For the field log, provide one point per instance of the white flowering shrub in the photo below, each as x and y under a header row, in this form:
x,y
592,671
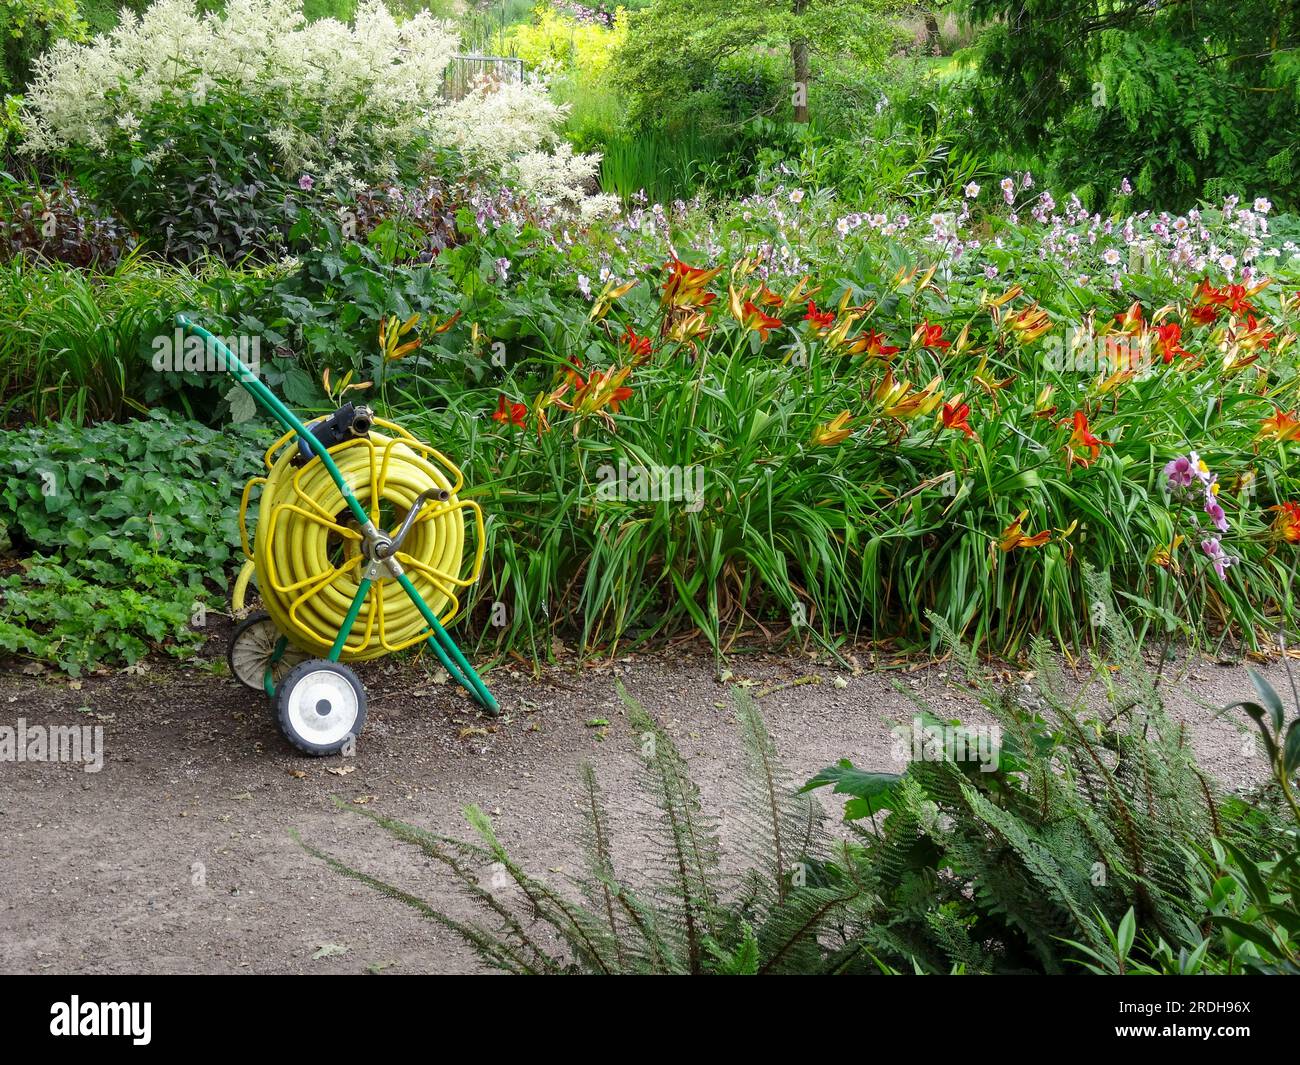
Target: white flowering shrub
x,y
340,104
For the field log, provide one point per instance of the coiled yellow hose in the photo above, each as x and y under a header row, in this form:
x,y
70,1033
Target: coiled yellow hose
x,y
306,550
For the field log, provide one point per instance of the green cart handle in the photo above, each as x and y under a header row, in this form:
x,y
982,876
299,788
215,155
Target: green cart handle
x,y
449,654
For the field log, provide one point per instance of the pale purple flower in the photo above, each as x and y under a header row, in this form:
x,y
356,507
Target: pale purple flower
x,y
306,182
1180,472
971,190
1215,511
1218,556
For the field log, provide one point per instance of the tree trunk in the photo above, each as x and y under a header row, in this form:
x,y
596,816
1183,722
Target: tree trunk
x,y
931,33
799,58
799,54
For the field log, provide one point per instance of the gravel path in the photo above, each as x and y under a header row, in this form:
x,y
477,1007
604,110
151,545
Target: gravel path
x,y
176,856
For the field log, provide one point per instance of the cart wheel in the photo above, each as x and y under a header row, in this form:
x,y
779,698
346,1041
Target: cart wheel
x,y
321,705
252,646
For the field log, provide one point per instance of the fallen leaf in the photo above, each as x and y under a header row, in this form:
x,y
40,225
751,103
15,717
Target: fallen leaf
x,y
363,800
471,730
297,774
341,770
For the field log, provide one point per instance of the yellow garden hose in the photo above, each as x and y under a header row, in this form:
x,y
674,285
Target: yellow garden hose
x,y
306,550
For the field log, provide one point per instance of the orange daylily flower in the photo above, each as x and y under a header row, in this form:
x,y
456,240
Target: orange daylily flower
x,y
1256,335
1286,526
599,395
687,286
686,328
836,431
1031,323
955,415
1012,537
751,318
1279,426
1130,321
871,344
897,400
1082,439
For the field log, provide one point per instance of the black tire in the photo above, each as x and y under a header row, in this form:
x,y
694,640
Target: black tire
x,y
253,642
337,710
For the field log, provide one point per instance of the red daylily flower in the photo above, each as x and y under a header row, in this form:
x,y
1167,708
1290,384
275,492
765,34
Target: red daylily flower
x,y
638,346
753,318
931,336
1169,342
513,413
1235,297
819,319
1082,439
955,416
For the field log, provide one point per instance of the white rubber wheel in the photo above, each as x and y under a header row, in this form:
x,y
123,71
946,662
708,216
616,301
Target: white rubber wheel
x,y
321,706
251,649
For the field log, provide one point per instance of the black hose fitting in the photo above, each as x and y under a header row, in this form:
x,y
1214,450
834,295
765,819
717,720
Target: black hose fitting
x,y
346,423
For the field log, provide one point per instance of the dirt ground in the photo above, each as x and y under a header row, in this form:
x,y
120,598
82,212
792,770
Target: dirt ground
x,y
177,855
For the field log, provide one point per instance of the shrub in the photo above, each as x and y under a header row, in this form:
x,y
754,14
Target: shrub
x,y
123,530
28,28
554,43
1187,103
205,123
59,223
